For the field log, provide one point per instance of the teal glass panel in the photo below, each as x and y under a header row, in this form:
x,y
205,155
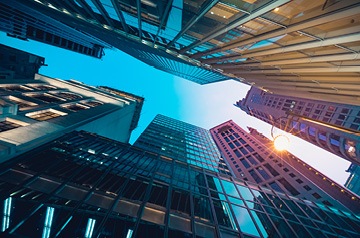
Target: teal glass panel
x,y
244,220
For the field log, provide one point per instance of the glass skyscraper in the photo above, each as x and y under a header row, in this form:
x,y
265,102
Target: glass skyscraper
x,y
297,48
96,187
182,141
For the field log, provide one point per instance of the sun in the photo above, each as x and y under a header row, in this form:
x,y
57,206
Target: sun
x,y
281,142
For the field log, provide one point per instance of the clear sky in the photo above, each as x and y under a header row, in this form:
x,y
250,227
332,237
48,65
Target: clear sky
x,y
202,105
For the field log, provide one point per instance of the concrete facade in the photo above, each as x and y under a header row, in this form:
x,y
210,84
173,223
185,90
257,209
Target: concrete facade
x,y
253,158
334,127
37,110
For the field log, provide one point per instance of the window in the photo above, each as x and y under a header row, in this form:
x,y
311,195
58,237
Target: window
x,y
43,87
8,125
292,175
289,187
18,88
75,107
316,195
251,159
258,157
46,98
286,169
22,104
271,169
245,163
327,203
69,96
245,152
276,187
307,188
299,181
92,103
45,114
263,173
255,176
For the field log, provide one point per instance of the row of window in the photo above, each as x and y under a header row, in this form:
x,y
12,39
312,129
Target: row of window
x,y
44,115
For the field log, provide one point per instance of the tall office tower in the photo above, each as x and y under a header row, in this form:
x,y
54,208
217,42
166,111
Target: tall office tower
x,y
250,41
97,187
34,111
253,158
353,182
182,141
25,23
334,127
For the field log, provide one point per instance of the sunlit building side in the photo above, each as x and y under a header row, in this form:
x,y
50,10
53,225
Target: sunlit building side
x,y
36,109
334,127
253,158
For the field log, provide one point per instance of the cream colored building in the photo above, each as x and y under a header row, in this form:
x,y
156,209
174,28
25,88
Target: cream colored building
x,y
36,110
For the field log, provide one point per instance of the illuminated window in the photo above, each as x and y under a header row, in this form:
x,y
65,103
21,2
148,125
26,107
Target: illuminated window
x,y
8,125
48,222
92,103
45,114
43,87
16,88
6,214
75,107
45,97
69,96
22,104
90,228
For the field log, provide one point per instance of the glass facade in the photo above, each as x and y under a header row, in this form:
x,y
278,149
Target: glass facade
x,y
182,141
272,44
96,187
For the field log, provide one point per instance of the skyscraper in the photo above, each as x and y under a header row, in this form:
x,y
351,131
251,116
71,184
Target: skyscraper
x,y
25,23
97,187
334,127
249,41
35,111
253,158
182,141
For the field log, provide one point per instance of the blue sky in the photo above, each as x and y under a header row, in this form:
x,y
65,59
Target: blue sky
x,y
202,105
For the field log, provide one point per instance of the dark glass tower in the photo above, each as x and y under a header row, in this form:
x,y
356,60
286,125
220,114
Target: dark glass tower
x,y
26,23
97,187
297,48
182,141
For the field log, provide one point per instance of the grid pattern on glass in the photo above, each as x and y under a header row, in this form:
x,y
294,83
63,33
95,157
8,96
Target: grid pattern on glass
x,y
8,125
45,114
190,143
237,206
